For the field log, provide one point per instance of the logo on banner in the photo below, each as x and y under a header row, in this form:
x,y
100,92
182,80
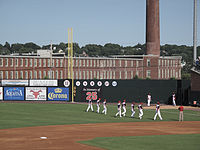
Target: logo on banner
x,y
78,83
13,93
61,94
99,83
106,83
114,83
92,83
84,83
35,93
66,83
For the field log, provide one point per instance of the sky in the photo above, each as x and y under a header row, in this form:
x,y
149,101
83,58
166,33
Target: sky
x,y
121,22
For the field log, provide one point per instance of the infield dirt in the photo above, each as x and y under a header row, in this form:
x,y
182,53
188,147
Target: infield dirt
x,y
64,137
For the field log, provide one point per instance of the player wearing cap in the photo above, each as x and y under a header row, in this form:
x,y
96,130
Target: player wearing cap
x,y
174,99
133,109
148,99
140,110
124,108
90,105
98,105
119,109
158,111
105,108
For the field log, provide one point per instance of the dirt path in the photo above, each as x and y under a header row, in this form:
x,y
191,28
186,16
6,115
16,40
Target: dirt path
x,y
64,137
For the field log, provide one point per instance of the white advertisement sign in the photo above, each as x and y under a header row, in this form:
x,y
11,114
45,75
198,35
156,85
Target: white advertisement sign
x,y
14,82
36,93
43,83
1,93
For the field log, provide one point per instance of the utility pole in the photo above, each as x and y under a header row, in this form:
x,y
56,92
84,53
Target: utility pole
x,y
51,53
195,31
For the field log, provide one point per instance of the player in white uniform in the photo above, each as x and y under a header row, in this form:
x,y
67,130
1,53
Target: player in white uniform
x,y
105,108
98,105
140,110
90,105
133,109
174,99
124,108
148,99
119,109
158,111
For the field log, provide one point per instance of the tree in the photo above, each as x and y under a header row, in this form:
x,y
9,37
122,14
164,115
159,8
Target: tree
x,y
7,45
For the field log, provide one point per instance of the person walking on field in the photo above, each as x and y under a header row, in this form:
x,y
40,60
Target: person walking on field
x,y
119,109
174,99
140,110
158,111
98,105
105,108
124,108
148,99
181,113
89,105
133,109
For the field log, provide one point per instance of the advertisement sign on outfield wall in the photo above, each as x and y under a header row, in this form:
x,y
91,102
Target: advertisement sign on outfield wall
x,y
1,93
58,94
15,82
13,93
43,83
36,93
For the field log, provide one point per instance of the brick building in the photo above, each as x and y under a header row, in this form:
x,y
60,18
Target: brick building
x,y
38,66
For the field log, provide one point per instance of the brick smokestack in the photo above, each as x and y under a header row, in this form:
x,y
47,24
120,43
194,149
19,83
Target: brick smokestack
x,y
152,27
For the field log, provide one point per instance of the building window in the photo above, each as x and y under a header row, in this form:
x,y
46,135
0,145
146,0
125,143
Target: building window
x,y
31,75
57,64
11,63
148,63
6,74
26,62
35,74
6,62
11,75
40,63
16,74
21,75
83,74
131,63
49,74
126,63
1,74
87,62
94,75
97,74
94,63
90,62
176,74
131,74
40,74
26,74
158,73
114,75
159,62
1,62
21,62
80,63
107,75
44,62
110,74
61,74
104,75
120,75
53,63
31,62
16,62
120,63
97,63
162,73
104,63
35,62
80,77
57,74
148,73
168,73
61,63
168,62
125,74
44,74
101,63
87,74
91,75
49,62
137,63
165,73
173,73
113,63
108,63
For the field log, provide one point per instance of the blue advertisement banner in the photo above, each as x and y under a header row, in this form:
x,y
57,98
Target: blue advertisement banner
x,y
13,93
58,94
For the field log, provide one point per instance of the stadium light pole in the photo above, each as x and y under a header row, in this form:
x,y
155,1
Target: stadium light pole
x,y
195,31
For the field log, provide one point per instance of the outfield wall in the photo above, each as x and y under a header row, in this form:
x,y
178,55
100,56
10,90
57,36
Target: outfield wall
x,y
112,90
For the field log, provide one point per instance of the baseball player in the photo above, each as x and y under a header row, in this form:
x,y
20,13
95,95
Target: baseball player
x,y
133,109
89,106
124,108
140,110
119,109
98,105
181,113
158,111
148,99
174,99
105,108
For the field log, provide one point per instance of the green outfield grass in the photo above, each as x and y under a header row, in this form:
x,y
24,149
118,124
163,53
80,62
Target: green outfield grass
x,y
154,142
16,115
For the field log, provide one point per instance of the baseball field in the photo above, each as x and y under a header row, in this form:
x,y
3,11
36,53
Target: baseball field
x,y
62,126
